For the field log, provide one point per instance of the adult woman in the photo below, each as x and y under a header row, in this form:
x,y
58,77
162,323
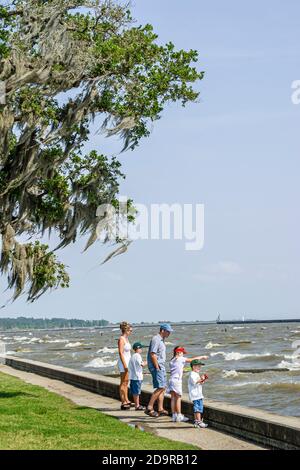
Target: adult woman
x,y
124,348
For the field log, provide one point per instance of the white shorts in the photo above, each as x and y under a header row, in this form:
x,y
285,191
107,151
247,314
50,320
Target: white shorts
x,y
175,385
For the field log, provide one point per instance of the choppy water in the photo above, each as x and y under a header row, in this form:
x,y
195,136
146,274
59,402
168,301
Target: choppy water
x,y
230,347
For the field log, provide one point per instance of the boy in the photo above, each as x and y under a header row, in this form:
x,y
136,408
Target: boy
x,y
195,392
135,368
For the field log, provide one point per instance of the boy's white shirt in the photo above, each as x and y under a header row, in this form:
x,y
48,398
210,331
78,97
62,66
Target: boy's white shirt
x,y
135,367
195,389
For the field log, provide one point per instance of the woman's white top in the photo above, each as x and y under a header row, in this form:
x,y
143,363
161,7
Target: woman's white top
x,y
126,354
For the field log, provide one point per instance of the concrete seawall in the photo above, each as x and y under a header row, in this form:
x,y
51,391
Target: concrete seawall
x,y
263,428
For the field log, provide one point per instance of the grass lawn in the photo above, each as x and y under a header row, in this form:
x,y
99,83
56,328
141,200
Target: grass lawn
x,y
34,418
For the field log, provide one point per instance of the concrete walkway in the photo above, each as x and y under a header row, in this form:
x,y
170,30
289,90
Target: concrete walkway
x,y
206,439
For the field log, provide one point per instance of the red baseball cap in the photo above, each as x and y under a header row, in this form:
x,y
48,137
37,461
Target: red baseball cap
x,y
180,349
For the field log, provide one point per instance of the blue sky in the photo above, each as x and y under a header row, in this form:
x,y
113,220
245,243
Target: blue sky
x,y
237,152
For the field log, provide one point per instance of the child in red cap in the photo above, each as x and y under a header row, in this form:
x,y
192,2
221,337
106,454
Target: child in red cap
x,y
175,383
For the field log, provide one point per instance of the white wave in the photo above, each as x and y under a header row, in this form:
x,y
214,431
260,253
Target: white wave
x,y
106,350
238,328
26,339
35,340
294,356
101,363
294,365
73,345
56,341
296,332
236,356
229,373
211,345
247,384
167,343
115,329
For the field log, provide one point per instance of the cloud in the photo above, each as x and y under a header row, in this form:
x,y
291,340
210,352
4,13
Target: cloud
x,y
218,271
227,267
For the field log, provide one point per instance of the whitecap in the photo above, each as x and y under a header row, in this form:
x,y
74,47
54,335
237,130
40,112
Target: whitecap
x,y
73,345
236,356
57,341
35,340
101,363
247,384
106,350
294,365
211,345
229,373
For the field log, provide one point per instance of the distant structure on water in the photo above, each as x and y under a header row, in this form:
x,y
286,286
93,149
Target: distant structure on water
x,y
249,321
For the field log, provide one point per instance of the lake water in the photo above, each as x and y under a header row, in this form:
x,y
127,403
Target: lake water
x,y
229,347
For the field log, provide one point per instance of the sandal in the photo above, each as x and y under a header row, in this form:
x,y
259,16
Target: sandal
x,y
163,413
151,413
140,408
125,407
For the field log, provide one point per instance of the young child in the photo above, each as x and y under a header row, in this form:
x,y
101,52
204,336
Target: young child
x,y
195,392
135,368
175,382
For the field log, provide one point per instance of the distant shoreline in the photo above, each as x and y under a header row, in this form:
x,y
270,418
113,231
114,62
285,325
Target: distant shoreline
x,y
152,325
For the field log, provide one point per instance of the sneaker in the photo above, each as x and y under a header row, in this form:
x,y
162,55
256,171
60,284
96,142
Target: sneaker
x,y
200,424
181,419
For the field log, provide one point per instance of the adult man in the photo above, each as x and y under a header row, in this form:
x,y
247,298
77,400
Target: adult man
x,y
157,365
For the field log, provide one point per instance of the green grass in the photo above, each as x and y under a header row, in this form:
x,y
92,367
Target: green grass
x,y
34,418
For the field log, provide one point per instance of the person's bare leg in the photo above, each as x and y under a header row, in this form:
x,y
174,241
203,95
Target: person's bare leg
x,y
178,404
126,392
173,402
121,389
153,398
136,399
125,385
160,399
197,416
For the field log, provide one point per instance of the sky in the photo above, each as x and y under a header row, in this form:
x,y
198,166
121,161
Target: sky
x,y
236,152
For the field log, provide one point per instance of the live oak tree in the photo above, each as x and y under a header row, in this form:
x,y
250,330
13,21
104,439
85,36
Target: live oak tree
x,y
65,64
